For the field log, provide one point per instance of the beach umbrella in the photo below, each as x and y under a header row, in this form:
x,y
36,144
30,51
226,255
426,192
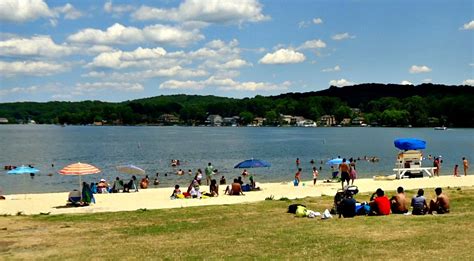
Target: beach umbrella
x,y
252,163
130,169
79,169
336,161
409,144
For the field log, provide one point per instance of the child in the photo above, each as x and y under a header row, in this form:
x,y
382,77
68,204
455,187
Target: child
x,y
456,170
176,192
315,175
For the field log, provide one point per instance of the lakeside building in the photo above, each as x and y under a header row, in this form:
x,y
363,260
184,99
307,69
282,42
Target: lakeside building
x,y
306,123
3,120
214,120
168,119
258,121
230,121
358,121
327,120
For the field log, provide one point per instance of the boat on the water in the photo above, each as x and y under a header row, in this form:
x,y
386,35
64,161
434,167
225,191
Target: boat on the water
x,y
441,128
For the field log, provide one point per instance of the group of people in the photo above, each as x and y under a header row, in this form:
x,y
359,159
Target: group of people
x,y
380,204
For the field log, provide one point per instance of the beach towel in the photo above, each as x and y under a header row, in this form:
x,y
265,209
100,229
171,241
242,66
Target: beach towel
x,y
301,211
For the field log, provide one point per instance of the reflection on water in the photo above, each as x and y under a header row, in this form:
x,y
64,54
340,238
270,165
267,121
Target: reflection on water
x,y
152,148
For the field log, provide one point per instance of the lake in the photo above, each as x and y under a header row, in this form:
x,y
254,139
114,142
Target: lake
x,y
152,149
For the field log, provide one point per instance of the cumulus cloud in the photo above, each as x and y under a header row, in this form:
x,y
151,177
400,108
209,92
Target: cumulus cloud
x,y
333,69
210,11
108,86
24,10
468,26
226,84
405,82
340,83
419,69
31,68
468,82
69,12
343,36
283,56
317,21
121,59
313,44
119,34
117,9
139,76
41,45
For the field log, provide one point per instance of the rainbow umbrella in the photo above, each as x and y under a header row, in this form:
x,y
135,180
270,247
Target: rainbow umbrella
x,y
79,169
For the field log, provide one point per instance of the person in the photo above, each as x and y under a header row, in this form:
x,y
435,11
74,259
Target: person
x,y
398,203
315,175
245,173
132,184
379,203
241,182
103,186
352,170
194,189
209,170
418,202
465,164
298,177
180,172
214,188
436,166
298,162
222,181
190,172
455,173
117,186
93,187
235,189
334,172
311,162
144,182
156,181
87,195
176,192
198,176
253,184
344,169
74,198
347,207
440,205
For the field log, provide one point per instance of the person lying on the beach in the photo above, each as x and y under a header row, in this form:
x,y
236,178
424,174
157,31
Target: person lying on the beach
x,y
235,189
440,205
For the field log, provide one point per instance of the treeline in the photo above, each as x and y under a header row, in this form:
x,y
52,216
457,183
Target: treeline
x,y
384,105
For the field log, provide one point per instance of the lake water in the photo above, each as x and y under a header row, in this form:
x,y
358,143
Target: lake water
x,y
152,148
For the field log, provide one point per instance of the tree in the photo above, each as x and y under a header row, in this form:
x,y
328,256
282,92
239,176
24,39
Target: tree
x,y
246,117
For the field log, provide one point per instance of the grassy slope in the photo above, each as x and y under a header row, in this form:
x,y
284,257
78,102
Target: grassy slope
x,y
259,230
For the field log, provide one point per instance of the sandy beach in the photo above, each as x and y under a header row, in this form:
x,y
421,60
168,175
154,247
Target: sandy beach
x,y
158,198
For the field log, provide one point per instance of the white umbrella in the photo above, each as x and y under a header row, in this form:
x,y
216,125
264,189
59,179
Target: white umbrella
x,y
130,169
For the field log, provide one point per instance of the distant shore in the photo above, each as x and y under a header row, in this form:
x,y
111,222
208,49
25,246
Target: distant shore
x,y
159,198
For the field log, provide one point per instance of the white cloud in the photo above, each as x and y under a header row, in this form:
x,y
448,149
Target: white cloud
x,y
235,64
313,44
468,82
117,9
340,83
471,64
209,11
119,34
283,56
405,82
121,59
428,80
108,86
41,45
31,68
317,21
468,26
139,76
419,69
23,10
333,69
343,36
69,12
226,84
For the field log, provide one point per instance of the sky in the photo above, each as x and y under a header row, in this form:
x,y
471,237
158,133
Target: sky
x,y
124,50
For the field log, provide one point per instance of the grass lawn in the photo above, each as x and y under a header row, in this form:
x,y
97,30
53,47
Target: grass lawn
x,y
249,231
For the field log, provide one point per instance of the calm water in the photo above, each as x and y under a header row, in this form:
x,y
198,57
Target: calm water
x,y
152,148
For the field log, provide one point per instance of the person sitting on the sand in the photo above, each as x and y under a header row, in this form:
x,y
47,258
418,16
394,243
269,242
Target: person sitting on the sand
x,y
398,203
87,195
234,189
222,181
176,192
74,198
418,203
253,184
379,203
214,188
194,190
118,185
241,182
103,186
440,205
144,182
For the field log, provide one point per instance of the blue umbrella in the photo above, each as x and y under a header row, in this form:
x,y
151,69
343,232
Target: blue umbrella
x,y
410,144
23,170
336,161
252,163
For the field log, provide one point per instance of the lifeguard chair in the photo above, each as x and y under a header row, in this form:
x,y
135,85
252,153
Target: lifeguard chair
x,y
409,159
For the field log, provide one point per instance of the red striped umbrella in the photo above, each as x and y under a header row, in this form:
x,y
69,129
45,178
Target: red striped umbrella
x,y
79,169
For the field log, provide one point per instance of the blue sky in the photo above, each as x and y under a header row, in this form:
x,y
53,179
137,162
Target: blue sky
x,y
124,50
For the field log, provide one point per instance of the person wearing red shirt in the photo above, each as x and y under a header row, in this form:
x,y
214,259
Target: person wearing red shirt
x,y
379,203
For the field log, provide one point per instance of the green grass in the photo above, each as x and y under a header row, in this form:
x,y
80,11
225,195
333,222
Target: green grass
x,y
248,231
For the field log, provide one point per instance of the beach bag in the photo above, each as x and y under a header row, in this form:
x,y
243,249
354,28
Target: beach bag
x,y
295,182
301,211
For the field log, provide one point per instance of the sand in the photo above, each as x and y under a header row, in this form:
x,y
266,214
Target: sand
x,y
158,198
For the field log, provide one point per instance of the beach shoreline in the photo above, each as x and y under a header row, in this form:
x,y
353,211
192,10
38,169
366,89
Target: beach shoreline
x,y
159,198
